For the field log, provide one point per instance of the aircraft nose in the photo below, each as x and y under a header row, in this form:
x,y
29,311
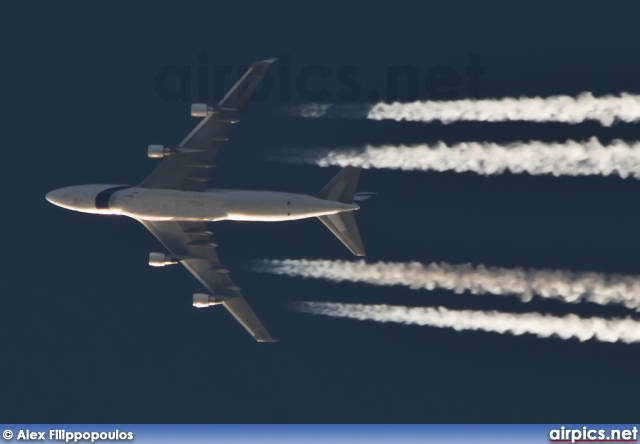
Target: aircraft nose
x,y
56,197
52,196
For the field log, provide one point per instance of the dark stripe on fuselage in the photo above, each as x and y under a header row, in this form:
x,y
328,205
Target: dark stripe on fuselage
x,y
102,198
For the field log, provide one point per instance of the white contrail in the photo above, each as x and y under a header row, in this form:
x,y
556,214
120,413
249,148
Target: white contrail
x,y
606,109
566,286
571,158
544,326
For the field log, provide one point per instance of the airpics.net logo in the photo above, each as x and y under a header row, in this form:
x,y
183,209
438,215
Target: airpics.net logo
x,y
206,81
588,434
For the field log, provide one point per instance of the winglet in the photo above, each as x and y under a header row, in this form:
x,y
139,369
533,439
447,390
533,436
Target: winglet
x,y
240,310
239,94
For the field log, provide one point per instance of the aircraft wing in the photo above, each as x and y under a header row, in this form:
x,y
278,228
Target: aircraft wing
x,y
191,242
188,169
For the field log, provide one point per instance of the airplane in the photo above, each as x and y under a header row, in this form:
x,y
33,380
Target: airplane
x,y
174,203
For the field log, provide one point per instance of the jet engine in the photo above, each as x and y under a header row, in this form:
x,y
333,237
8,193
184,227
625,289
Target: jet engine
x,y
200,110
161,259
202,300
159,151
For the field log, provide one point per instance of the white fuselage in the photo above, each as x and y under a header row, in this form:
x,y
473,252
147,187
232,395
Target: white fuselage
x,y
208,205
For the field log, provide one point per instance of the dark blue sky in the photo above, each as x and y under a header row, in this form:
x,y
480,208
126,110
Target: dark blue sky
x,y
90,333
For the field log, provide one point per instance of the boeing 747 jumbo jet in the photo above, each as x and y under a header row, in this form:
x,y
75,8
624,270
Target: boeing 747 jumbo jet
x,y
174,203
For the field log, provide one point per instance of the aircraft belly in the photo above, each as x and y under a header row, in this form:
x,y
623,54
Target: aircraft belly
x,y
170,205
197,206
273,207
272,217
189,206
262,213
150,204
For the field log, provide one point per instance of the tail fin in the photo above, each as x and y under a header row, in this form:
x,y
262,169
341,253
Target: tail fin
x,y
342,188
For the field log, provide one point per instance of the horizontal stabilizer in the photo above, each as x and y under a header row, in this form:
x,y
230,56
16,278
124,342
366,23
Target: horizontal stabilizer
x,y
342,187
343,225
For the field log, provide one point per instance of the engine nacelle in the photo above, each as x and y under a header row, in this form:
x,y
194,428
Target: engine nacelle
x,y
200,110
202,300
159,151
161,259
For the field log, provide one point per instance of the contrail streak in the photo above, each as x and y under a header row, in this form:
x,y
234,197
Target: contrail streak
x,y
566,286
571,158
544,326
606,109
